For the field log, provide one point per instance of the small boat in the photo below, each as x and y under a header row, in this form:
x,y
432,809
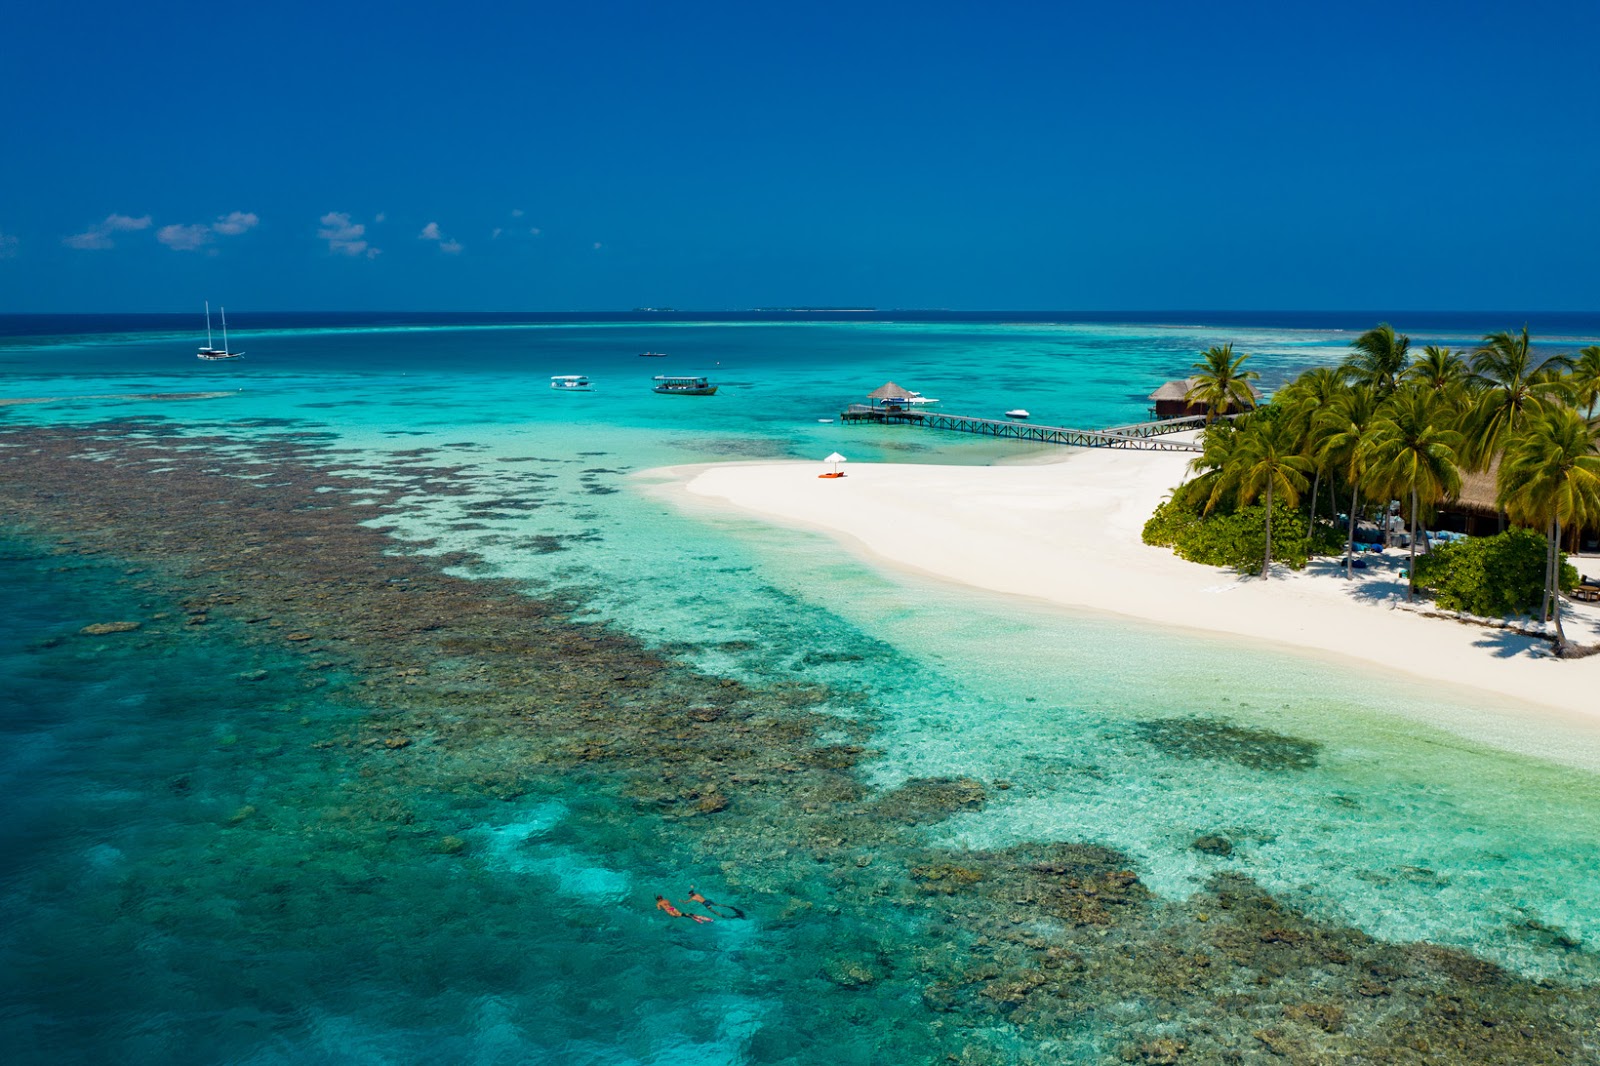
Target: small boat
x,y
209,353
916,399
825,421
1017,413
652,355
674,385
570,383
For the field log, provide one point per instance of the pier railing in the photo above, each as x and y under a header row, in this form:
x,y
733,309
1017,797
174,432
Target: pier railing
x,y
1159,426
1118,437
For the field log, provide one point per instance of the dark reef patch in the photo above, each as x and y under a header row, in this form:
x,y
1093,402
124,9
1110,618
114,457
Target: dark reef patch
x,y
922,800
744,447
1214,738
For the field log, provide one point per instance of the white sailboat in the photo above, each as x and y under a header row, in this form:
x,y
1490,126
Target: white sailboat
x,y
208,352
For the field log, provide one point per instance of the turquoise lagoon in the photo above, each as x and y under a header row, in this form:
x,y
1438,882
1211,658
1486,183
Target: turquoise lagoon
x,y
1420,813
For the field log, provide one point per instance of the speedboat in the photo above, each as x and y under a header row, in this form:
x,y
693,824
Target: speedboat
x,y
916,399
676,385
652,355
570,383
1017,413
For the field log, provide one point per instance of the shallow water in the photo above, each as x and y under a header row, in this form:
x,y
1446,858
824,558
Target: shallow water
x,y
188,877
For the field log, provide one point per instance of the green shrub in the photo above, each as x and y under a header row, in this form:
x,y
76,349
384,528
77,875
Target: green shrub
x,y
1237,539
1492,576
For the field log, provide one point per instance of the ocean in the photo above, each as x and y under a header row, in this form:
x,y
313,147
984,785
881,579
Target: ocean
x,y
932,822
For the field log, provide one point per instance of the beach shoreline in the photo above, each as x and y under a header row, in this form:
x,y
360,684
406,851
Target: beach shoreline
x,y
1067,533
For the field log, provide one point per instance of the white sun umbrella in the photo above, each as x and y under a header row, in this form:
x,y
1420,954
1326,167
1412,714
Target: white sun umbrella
x,y
835,459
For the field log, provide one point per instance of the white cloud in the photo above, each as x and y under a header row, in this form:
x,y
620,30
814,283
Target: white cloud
x,y
344,236
8,245
517,212
448,245
380,217
98,237
597,246
235,223
184,238
496,234
535,231
189,237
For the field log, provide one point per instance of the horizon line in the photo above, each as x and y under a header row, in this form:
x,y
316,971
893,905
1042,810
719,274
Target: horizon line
x,y
859,311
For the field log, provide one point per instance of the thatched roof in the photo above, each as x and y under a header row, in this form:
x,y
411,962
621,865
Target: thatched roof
x,y
890,391
1477,492
1172,390
1179,390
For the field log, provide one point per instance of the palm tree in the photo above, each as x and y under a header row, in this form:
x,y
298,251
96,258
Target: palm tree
x,y
1304,400
1511,383
1585,379
1267,459
1222,381
1346,429
1411,450
1551,478
1218,443
1378,358
1439,370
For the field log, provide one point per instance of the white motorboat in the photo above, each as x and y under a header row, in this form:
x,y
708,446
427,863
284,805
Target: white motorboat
x,y
916,399
1017,413
570,383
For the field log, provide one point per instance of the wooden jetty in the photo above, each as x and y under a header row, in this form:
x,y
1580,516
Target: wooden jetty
x,y
1141,436
1161,425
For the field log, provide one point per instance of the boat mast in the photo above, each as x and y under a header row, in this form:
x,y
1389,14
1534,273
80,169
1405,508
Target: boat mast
x,y
224,329
208,325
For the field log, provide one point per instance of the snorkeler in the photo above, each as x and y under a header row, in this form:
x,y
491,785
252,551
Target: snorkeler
x,y
665,904
733,912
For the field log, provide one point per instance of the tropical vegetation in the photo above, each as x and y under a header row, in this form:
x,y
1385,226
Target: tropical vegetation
x,y
1394,423
1491,576
1222,381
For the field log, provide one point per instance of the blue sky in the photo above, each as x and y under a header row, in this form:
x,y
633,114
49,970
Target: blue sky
x,y
612,155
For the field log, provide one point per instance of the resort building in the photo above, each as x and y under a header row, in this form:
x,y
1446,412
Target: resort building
x,y
1172,401
1474,513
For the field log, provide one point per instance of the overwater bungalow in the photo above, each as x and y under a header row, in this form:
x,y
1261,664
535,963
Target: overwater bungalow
x,y
1172,401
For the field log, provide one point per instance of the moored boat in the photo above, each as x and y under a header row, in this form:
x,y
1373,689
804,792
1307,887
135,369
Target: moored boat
x,y
1017,413
209,353
683,385
652,355
570,383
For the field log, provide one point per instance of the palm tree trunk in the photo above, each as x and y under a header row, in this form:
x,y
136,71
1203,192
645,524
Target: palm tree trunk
x,y
1350,545
1315,485
1555,587
1411,567
1266,563
1549,553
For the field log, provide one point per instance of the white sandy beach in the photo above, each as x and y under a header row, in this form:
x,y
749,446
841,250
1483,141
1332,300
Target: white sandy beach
x,y
1068,532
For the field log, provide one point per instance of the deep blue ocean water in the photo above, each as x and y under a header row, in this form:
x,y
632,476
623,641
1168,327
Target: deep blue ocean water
x,y
176,882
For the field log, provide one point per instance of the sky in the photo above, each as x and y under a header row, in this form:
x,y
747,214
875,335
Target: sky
x,y
604,155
